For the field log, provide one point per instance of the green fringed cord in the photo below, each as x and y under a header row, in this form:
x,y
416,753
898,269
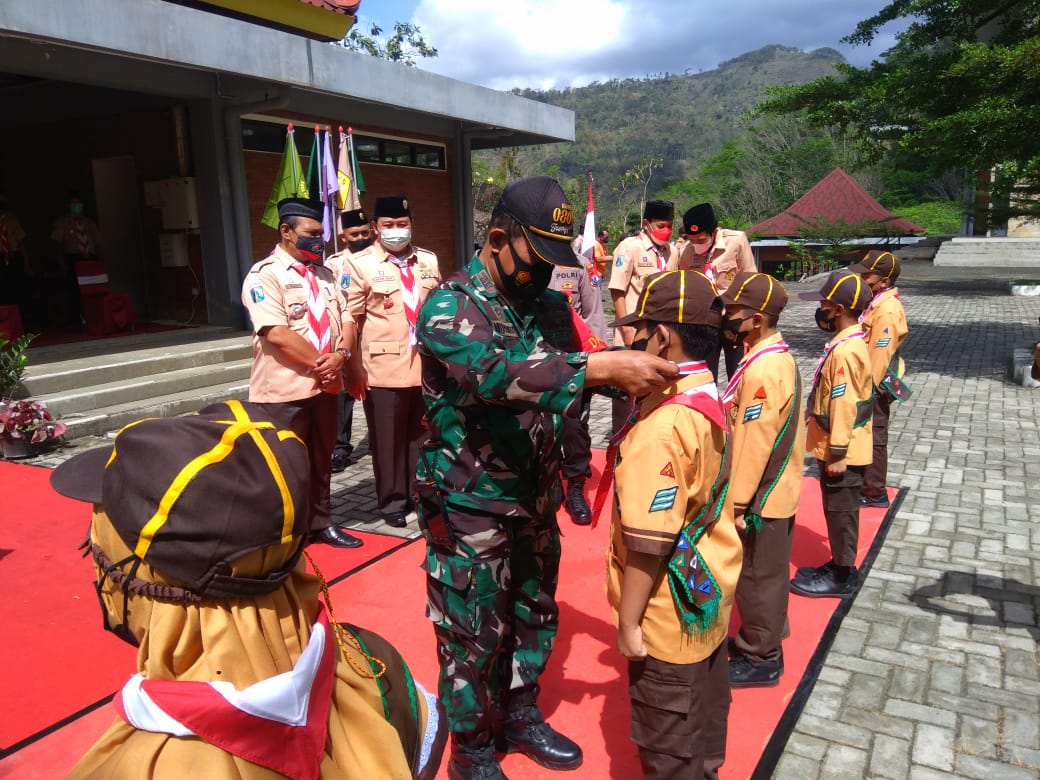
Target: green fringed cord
x,y
699,621
753,521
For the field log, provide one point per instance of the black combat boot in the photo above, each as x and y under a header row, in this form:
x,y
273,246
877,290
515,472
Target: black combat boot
x,y
525,731
473,761
577,506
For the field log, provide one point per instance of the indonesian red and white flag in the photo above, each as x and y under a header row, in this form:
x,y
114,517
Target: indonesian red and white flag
x,y
588,238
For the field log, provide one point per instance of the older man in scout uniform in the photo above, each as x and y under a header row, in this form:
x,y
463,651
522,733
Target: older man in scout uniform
x,y
884,326
501,370
265,684
646,253
720,254
764,402
300,346
355,235
388,283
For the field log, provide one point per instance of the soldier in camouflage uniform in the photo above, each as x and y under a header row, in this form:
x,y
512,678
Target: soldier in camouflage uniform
x,y
501,370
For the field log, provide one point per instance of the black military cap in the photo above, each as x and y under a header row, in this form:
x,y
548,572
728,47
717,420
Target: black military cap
x,y
353,218
392,206
539,205
299,207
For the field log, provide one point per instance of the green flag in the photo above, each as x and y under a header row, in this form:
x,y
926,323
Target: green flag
x,y
359,180
314,166
288,184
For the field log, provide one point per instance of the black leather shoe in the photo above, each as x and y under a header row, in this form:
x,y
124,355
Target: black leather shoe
x,y
577,507
474,764
805,571
833,584
336,537
395,519
541,743
874,501
340,461
746,672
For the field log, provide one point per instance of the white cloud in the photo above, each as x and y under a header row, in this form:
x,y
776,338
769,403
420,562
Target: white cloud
x,y
543,44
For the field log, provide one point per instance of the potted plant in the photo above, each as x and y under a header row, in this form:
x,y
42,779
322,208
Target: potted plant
x,y
25,425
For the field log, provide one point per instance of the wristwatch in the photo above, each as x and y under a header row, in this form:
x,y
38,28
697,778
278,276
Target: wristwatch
x,y
344,352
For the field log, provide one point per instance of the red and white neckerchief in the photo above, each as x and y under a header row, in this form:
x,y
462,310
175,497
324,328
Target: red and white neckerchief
x,y
409,293
280,723
704,398
734,381
886,293
829,347
319,332
82,241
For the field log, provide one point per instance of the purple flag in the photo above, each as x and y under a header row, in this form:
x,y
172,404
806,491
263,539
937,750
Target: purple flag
x,y
329,190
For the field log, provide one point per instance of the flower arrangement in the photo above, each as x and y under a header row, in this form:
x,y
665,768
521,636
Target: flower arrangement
x,y
29,420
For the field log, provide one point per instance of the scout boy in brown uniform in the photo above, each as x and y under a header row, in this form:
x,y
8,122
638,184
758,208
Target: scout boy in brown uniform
x,y
884,323
300,346
355,235
636,258
720,254
838,431
674,554
388,283
764,404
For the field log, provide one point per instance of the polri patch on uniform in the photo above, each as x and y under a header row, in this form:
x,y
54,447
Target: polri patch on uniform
x,y
344,282
663,499
753,412
256,293
838,390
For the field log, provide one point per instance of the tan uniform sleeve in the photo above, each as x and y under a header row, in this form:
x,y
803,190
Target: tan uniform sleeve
x,y
358,291
762,407
263,298
839,384
621,273
887,332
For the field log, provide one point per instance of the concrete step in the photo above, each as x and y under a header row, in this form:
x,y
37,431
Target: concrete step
x,y
1007,252
55,376
104,420
88,398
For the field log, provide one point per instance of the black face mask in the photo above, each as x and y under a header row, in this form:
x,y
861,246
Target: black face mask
x,y
359,245
311,248
825,320
536,282
640,345
731,327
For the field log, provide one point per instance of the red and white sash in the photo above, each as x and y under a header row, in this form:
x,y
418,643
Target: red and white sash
x,y
409,294
887,293
320,330
280,723
734,381
829,347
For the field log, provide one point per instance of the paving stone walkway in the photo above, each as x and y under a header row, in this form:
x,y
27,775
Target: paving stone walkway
x,y
934,672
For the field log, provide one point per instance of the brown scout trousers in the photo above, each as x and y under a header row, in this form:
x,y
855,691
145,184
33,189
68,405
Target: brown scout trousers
x,y
841,508
764,589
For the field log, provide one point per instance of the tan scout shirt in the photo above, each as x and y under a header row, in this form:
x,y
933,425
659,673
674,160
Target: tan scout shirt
x,y
839,402
374,300
885,325
765,400
672,448
274,293
636,258
730,255
66,232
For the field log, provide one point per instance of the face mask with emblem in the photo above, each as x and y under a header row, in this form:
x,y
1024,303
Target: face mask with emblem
x,y
311,247
526,282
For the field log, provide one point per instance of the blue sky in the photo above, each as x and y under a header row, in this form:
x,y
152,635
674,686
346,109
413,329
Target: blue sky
x,y
543,44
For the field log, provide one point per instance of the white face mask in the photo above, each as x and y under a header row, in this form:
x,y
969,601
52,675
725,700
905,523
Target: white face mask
x,y
395,239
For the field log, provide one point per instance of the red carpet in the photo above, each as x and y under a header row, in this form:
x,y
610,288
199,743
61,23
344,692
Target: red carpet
x,y
57,662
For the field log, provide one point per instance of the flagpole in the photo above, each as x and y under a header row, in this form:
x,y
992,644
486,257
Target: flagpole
x,y
335,216
353,161
296,180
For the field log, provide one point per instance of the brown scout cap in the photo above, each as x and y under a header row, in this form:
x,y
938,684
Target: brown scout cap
x,y
842,287
757,291
190,495
884,264
680,297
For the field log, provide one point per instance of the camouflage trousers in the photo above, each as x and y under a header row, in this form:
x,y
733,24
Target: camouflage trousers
x,y
493,606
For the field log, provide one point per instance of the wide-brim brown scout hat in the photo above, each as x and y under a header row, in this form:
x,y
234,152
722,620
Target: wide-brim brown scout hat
x,y
757,291
190,495
679,297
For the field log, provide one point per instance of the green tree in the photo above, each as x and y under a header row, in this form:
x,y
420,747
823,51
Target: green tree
x,y
960,88
406,44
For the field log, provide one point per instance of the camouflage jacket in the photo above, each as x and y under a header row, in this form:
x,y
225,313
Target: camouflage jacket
x,y
496,382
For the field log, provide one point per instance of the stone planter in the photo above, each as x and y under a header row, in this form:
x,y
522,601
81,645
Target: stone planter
x,y
15,449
